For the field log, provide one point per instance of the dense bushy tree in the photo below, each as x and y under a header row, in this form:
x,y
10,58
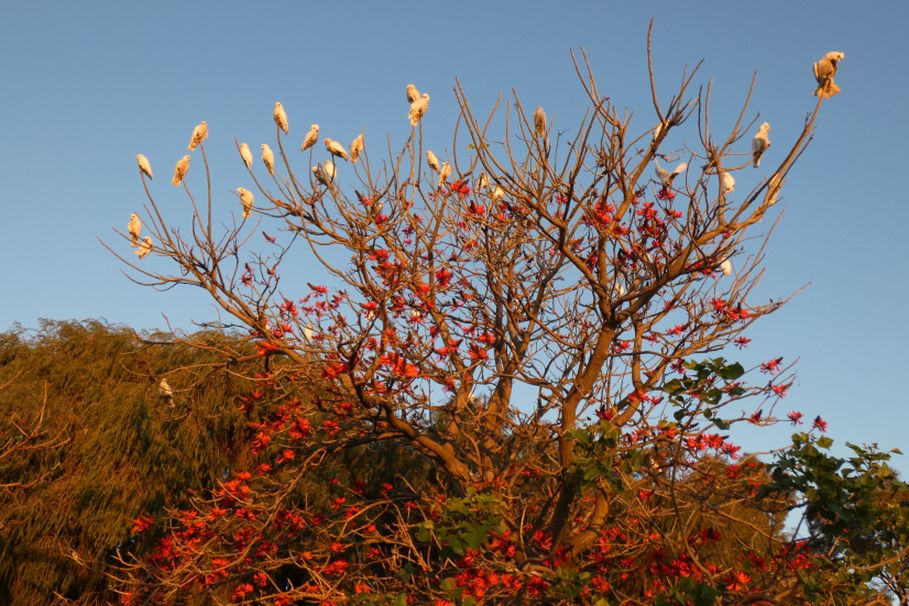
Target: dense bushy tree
x,y
109,450
521,350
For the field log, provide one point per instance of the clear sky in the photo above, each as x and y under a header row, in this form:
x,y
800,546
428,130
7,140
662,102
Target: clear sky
x,y
85,86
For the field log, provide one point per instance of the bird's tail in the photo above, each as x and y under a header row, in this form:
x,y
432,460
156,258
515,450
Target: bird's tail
x,y
134,239
828,89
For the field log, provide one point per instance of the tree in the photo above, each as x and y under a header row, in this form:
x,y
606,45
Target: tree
x,y
104,452
524,395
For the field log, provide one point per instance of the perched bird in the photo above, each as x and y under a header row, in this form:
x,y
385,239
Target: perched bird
x,y
144,166
280,117
268,159
200,134
497,194
307,332
246,199
483,181
418,108
433,161
246,155
322,173
413,93
539,125
539,121
335,148
165,392
728,183
311,137
145,247
356,148
134,228
444,173
666,177
180,170
760,143
824,71
726,266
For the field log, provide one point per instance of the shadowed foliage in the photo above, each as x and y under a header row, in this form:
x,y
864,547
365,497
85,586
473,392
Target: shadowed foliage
x,y
114,449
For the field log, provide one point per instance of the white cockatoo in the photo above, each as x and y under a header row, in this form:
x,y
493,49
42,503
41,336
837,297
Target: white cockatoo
x,y
319,173
246,200
144,166
335,148
760,143
728,183
666,177
134,228
433,161
324,173
356,148
824,71
280,117
165,392
268,159
145,247
497,194
180,170
312,135
726,267
246,154
413,93
444,173
200,134
418,109
539,122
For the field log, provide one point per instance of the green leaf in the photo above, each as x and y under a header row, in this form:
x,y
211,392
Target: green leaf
x,y
731,372
721,424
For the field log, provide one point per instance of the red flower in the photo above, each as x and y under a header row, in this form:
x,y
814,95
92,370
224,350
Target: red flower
x,y
460,188
771,366
796,417
141,524
820,423
739,581
478,354
780,390
665,194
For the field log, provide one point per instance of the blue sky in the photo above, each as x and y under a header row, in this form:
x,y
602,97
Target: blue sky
x,y
88,85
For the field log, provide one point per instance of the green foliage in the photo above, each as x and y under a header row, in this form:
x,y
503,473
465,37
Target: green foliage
x,y
712,381
857,512
122,451
464,523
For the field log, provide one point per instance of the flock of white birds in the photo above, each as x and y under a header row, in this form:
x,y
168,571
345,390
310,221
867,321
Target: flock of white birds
x,y
824,72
